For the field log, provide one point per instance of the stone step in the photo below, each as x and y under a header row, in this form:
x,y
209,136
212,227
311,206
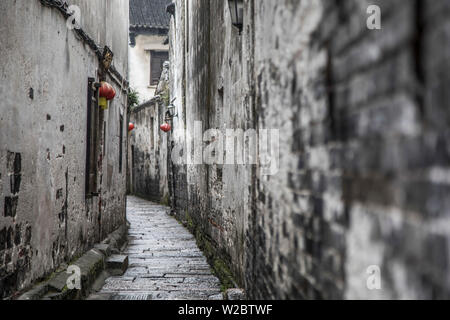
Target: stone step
x,y
117,264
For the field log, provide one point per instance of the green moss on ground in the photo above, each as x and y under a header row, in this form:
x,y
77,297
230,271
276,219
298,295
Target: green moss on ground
x,y
189,222
165,200
218,265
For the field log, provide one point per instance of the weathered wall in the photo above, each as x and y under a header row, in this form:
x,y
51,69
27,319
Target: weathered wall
x,y
206,83
148,146
45,219
363,167
177,89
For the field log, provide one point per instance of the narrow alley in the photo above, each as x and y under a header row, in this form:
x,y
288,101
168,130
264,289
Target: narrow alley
x,y
164,260
224,150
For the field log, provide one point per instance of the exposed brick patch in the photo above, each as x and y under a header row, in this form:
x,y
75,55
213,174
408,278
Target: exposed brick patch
x,y
11,206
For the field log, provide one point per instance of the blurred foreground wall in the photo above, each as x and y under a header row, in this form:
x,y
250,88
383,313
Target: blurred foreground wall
x,y
363,115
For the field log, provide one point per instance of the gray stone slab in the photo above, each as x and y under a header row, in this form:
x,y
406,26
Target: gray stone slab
x,y
58,282
235,294
117,262
103,248
100,296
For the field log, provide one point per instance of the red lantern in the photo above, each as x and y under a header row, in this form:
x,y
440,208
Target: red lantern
x,y
166,127
106,92
130,127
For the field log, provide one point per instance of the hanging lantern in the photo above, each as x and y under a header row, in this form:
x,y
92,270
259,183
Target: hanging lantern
x,y
170,114
106,92
130,127
237,13
165,127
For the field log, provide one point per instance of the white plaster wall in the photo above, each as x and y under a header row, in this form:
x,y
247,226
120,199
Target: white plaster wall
x,y
139,63
38,51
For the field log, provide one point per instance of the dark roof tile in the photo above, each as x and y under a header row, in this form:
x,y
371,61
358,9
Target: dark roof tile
x,y
149,14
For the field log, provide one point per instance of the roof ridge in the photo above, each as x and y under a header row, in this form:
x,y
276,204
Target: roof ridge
x,y
149,14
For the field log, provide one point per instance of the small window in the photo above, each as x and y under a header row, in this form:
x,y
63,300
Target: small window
x,y
152,133
93,134
120,142
157,59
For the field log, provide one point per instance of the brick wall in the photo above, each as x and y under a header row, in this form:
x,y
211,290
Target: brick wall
x,y
364,146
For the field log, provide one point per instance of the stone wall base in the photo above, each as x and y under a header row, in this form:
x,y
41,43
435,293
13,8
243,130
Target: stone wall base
x,y
94,266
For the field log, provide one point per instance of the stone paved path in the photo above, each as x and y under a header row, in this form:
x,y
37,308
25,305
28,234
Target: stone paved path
x,y
164,260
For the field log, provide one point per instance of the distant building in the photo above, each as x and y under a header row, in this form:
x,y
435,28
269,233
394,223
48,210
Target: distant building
x,y
149,26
